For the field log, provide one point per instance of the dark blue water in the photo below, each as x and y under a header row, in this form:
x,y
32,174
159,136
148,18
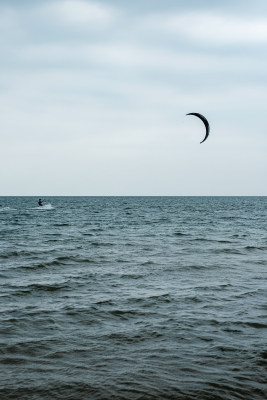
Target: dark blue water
x,y
133,298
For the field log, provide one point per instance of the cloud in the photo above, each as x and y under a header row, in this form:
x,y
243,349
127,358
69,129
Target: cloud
x,y
54,21
210,28
79,12
127,56
10,25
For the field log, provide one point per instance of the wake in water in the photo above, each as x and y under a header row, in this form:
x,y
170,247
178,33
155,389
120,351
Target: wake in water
x,y
47,206
43,208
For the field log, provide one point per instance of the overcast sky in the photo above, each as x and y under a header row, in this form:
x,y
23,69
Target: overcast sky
x,y
93,97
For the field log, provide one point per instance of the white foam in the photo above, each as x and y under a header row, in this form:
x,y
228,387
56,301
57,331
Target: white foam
x,y
2,209
42,208
47,207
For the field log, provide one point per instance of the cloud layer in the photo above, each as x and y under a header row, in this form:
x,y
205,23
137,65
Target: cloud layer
x,y
93,97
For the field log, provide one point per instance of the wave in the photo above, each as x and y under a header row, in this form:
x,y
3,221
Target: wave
x,y
149,262
228,251
61,224
16,253
101,244
212,240
59,261
45,207
132,276
251,248
39,287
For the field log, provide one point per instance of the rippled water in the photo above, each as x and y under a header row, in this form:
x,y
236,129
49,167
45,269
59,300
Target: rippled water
x,y
133,298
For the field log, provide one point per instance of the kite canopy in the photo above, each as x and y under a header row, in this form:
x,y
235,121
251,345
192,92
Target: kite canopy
x,y
205,121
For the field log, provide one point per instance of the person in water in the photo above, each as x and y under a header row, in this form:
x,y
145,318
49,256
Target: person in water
x,y
40,203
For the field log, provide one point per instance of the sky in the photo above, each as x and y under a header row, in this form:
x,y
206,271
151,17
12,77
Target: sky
x,y
94,97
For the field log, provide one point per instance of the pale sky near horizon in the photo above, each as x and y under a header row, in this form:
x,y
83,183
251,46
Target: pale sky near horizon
x,y
93,97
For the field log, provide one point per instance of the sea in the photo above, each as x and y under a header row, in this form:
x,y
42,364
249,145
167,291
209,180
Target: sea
x,y
133,298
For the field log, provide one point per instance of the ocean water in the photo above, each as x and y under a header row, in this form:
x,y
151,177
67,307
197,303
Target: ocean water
x,y
133,298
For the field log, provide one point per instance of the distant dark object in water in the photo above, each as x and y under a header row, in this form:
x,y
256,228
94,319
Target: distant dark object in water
x,y
205,121
40,203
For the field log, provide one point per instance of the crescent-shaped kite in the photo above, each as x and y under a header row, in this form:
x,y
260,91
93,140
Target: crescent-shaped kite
x,y
205,121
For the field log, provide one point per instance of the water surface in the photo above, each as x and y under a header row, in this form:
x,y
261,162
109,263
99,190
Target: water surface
x,y
133,298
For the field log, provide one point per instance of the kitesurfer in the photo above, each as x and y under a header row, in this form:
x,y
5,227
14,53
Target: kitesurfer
x,y
40,203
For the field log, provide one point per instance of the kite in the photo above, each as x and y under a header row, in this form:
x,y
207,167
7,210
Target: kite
x,y
205,121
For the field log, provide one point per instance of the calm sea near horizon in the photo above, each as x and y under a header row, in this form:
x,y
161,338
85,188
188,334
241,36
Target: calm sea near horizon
x,y
133,298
